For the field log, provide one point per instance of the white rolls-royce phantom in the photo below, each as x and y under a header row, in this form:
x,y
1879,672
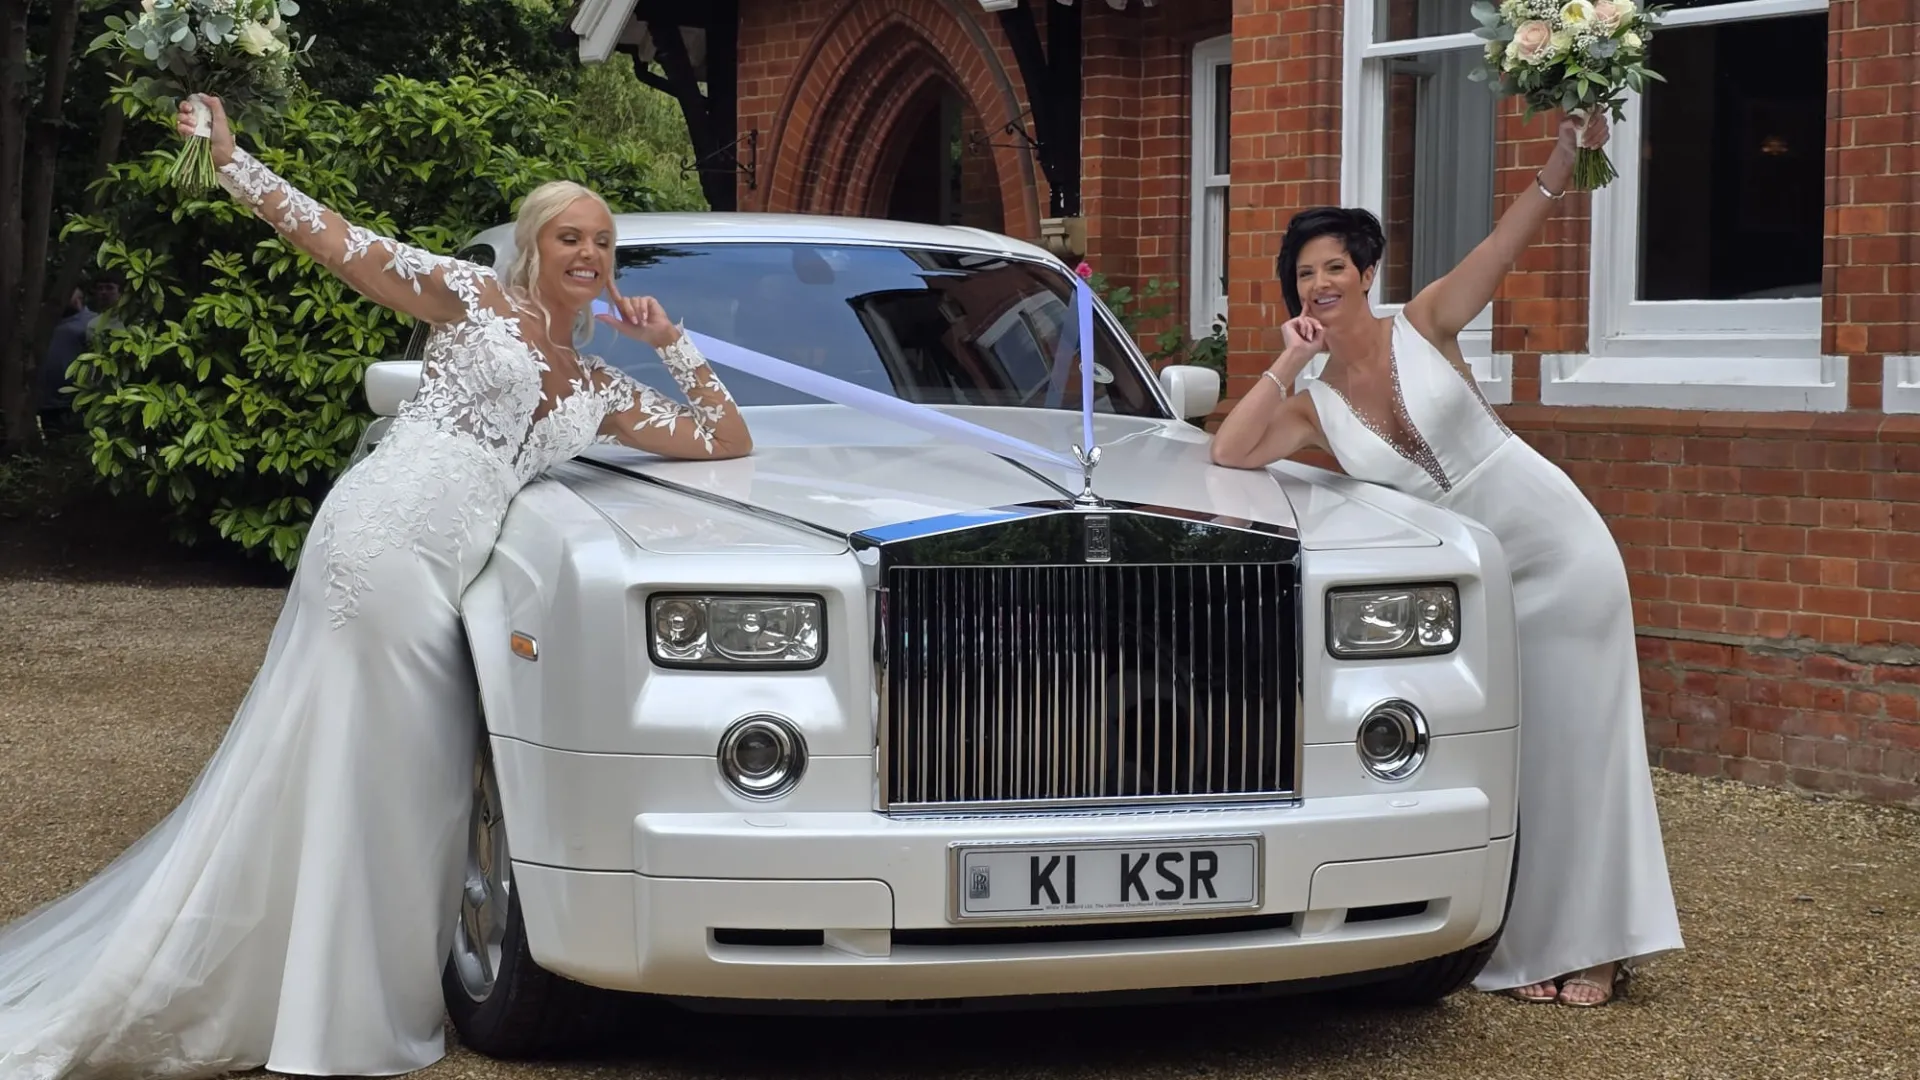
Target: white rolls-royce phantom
x,y
875,716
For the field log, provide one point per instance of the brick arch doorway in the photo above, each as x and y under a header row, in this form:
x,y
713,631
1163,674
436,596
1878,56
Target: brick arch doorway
x,y
860,102
931,169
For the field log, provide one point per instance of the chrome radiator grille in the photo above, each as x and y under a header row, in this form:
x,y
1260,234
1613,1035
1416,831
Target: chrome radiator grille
x,y
1014,686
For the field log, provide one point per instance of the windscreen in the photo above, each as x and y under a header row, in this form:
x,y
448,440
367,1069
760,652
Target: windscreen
x,y
927,326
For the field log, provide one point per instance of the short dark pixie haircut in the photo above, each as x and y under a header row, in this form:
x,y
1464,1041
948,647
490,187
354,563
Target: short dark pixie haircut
x,y
1356,228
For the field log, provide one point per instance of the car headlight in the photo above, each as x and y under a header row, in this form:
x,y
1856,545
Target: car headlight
x,y
762,757
1408,620
736,631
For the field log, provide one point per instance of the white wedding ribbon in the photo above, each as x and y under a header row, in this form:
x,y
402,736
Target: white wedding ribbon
x,y
906,413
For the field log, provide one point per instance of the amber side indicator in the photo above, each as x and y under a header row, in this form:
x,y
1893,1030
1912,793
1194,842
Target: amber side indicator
x,y
525,647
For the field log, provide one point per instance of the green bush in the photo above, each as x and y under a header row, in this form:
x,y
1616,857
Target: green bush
x,y
231,387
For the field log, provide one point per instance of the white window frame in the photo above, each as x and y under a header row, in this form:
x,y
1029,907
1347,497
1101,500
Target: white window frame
x,y
1363,109
1900,389
1761,355
1206,293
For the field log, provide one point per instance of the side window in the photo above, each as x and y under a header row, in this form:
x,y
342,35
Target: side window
x,y
417,343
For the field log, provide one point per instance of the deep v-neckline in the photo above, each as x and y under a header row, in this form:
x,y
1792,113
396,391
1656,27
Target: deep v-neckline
x,y
1416,451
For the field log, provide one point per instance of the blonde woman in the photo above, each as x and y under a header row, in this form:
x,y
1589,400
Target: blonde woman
x,y
295,910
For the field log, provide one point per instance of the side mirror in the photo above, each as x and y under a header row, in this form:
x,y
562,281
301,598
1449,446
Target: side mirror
x,y
389,383
1193,390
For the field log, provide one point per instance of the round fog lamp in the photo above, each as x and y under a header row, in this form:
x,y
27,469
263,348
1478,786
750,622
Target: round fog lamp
x,y
762,757
1392,740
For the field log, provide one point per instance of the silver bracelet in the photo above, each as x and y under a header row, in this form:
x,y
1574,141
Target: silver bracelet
x,y
1542,185
1276,381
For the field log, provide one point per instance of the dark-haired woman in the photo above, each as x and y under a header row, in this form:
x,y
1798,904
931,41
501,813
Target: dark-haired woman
x,y
1396,405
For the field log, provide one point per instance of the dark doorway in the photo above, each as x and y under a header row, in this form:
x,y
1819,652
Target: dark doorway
x,y
938,179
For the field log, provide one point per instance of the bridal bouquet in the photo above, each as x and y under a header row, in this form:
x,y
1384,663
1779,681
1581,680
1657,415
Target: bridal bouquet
x,y
1579,56
238,50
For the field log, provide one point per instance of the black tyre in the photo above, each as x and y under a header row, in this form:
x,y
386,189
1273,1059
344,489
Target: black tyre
x,y
502,1003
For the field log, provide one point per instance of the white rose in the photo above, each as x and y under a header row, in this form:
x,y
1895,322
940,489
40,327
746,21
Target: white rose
x,y
1560,44
146,6
1576,13
257,40
1631,40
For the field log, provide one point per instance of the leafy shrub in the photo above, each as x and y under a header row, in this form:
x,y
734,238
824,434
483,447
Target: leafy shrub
x,y
1172,344
231,386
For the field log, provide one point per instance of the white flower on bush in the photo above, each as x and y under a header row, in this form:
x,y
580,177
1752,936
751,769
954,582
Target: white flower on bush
x,y
1576,13
1531,42
257,40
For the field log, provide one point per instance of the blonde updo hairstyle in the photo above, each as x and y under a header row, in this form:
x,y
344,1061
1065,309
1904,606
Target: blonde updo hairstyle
x,y
541,206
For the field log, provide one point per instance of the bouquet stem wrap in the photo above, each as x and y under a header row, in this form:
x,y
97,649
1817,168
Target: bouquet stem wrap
x,y
193,170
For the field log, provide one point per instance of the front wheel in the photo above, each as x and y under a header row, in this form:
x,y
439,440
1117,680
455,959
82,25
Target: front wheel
x,y
502,1003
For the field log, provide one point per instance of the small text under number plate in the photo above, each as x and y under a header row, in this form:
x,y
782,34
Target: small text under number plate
x,y
1105,879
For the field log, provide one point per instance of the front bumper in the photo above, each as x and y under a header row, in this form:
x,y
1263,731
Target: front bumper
x,y
855,906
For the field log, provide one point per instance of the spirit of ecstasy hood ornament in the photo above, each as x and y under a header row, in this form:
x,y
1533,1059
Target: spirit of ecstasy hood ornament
x,y
1089,460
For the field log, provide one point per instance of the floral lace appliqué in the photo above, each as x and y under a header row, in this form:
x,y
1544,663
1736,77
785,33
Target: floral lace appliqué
x,y
475,432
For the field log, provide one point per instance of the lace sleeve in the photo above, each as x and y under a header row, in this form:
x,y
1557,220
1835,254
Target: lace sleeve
x,y
641,417
434,288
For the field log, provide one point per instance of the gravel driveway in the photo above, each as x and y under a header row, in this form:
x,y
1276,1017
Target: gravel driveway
x,y
1802,918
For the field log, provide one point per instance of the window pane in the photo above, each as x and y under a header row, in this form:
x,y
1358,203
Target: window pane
x,y
1212,285
1438,187
1222,117
1733,189
1700,3
1398,20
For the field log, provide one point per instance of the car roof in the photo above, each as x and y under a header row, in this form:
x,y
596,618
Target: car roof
x,y
749,227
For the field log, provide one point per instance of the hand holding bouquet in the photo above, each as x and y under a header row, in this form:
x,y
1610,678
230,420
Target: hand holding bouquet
x,y
1579,56
240,50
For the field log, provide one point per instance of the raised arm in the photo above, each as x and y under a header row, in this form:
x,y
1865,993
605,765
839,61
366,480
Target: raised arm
x,y
709,426
1444,308
1272,423
433,288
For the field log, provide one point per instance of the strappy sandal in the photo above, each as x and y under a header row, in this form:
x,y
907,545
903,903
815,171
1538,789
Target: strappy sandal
x,y
1539,997
1608,989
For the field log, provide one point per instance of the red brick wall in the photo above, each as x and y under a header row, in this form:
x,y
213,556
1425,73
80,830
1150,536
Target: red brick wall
x,y
1873,187
1775,564
1286,155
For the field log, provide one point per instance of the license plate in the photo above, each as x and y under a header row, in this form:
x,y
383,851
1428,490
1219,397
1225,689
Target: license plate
x,y
1107,878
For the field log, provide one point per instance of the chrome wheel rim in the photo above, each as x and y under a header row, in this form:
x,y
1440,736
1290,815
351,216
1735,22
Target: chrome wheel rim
x,y
480,941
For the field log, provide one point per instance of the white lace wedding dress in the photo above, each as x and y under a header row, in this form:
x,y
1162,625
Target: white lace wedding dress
x,y
1592,884
295,909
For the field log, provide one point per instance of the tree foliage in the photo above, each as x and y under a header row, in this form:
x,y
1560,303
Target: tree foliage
x,y
232,389
360,42
617,108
